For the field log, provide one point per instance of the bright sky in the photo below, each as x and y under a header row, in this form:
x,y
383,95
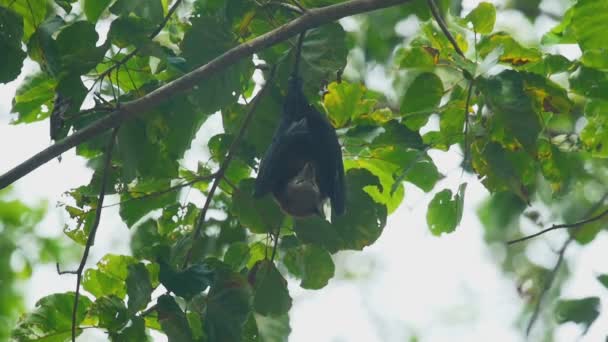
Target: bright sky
x,y
408,283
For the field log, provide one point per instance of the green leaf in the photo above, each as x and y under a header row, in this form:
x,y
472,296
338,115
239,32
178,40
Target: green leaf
x,y
258,215
186,283
237,255
51,320
271,296
228,306
94,8
603,278
513,53
134,331
417,57
482,17
504,170
11,33
144,198
272,329
65,4
110,312
33,13
312,264
546,94
359,227
421,99
139,288
590,82
594,135
344,102
151,10
77,50
222,88
262,127
125,31
589,21
445,211
33,98
323,54
109,277
173,320
582,311
515,121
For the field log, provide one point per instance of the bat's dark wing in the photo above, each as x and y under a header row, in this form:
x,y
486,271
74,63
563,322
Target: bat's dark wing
x,y
279,164
328,157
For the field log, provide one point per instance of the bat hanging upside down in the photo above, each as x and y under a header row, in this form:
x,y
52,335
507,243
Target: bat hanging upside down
x,y
303,165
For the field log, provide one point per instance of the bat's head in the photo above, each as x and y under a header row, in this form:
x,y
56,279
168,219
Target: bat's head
x,y
301,196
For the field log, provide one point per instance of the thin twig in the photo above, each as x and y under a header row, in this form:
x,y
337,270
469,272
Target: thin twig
x,y
547,284
312,18
551,277
444,27
466,123
91,237
167,190
224,166
560,226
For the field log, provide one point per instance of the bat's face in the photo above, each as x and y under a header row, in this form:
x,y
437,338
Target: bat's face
x,y
301,196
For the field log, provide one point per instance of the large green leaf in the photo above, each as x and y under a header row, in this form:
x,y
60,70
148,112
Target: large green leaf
x,y
110,313
445,211
345,101
222,88
33,95
139,287
421,99
310,263
173,320
77,48
482,17
515,121
228,306
583,311
512,52
134,331
188,282
594,135
10,45
323,55
94,8
590,82
271,297
109,277
51,320
272,329
32,11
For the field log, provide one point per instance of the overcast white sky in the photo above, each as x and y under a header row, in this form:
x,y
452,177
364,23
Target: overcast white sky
x,y
408,283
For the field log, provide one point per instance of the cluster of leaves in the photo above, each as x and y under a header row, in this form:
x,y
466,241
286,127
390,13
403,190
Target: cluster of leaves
x,y
526,135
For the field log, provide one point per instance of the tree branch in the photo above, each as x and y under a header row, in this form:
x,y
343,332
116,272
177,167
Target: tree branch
x,y
444,27
560,226
222,170
312,18
91,237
